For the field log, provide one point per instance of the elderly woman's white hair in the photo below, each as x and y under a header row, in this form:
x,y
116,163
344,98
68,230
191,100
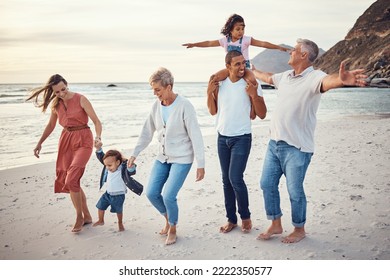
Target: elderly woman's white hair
x,y
162,75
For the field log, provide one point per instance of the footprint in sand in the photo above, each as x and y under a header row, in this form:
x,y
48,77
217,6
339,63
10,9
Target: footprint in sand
x,y
60,251
358,186
356,197
380,225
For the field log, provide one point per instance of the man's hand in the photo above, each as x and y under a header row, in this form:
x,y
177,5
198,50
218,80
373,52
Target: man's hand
x,y
353,77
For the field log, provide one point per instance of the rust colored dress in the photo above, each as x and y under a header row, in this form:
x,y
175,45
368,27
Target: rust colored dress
x,y
74,147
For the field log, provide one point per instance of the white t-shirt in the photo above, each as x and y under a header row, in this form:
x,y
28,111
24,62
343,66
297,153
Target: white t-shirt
x,y
115,184
234,107
245,43
294,117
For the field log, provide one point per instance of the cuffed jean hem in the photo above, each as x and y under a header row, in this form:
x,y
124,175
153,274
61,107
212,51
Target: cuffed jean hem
x,y
282,158
274,217
299,225
169,223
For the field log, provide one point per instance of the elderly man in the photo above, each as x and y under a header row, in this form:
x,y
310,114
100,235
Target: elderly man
x,y
292,132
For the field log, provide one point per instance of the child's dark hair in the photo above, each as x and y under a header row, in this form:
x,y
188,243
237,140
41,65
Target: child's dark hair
x,y
114,153
233,19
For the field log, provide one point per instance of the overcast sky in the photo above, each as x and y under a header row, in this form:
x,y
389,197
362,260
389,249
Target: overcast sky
x,y
127,40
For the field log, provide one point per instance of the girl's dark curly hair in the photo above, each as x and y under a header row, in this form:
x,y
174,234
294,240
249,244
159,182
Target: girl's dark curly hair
x,y
233,19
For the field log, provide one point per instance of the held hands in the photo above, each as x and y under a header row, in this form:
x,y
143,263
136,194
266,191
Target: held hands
x,y
353,77
98,143
130,162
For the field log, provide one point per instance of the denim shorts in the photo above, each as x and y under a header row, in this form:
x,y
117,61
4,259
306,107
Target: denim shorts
x,y
116,202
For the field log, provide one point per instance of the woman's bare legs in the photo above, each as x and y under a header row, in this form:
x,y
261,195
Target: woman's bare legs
x,y
82,212
78,205
87,215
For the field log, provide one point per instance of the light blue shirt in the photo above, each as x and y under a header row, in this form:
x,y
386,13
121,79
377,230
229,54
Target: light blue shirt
x,y
167,110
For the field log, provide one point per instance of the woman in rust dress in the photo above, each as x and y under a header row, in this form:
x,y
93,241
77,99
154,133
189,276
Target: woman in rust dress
x,y
72,111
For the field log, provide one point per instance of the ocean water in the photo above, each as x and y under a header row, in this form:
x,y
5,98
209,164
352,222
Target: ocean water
x,y
123,109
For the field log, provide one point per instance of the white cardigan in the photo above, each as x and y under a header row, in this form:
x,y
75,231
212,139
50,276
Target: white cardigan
x,y
179,140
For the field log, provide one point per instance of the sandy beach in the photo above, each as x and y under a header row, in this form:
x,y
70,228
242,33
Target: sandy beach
x,y
348,215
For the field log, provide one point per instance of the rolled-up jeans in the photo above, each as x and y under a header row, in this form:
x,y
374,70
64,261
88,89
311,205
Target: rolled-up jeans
x,y
165,182
233,152
282,158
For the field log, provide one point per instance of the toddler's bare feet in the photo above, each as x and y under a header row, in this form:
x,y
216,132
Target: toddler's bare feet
x,y
98,223
121,227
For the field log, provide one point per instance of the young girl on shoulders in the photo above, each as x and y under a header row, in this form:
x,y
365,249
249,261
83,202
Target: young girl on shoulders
x,y
234,39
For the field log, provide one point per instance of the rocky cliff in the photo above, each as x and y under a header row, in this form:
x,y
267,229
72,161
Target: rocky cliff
x,y
367,45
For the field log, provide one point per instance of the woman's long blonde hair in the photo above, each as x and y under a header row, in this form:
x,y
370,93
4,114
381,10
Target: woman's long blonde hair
x,y
48,95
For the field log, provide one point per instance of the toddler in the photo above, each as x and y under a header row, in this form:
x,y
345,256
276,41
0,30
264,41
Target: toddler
x,y
116,177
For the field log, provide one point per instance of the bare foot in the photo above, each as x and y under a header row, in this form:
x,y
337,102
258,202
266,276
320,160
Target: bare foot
x,y
165,230
121,227
78,226
273,229
87,219
171,239
227,228
246,225
297,235
98,223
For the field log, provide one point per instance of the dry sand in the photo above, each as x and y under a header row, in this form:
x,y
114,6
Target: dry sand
x,y
347,188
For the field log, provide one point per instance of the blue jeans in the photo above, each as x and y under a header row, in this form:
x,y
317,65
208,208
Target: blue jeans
x,y
166,179
281,158
233,155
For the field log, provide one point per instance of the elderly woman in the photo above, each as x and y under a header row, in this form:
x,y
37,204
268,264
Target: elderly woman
x,y
180,140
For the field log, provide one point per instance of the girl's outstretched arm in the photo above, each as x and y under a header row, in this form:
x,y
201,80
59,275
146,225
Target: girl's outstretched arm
x,y
204,44
267,45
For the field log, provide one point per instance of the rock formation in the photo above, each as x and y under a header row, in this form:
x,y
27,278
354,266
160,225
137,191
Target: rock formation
x,y
367,45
